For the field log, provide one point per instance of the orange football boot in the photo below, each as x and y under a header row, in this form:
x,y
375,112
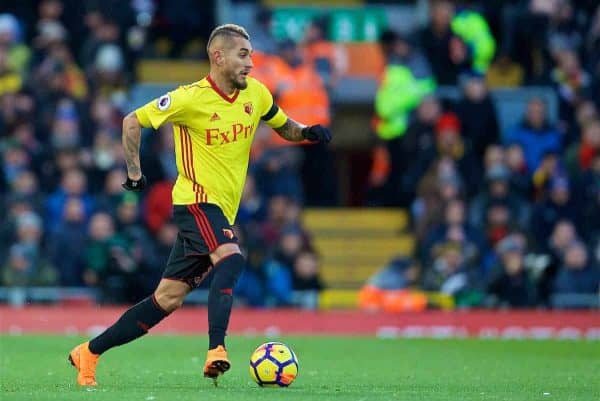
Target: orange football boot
x,y
85,362
217,363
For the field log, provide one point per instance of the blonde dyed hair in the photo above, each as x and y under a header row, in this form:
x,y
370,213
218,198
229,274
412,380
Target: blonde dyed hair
x,y
228,31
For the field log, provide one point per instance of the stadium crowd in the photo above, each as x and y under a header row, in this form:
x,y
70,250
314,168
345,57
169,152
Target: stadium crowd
x,y
501,218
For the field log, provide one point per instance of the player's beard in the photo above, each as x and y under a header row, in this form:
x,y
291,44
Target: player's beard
x,y
239,81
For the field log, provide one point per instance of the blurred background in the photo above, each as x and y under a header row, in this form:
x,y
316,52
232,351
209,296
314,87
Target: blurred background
x,y
464,170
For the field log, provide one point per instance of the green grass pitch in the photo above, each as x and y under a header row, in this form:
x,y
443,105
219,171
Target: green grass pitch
x,y
158,368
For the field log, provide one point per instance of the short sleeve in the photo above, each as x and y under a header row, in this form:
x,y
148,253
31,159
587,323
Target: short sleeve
x,y
171,107
271,113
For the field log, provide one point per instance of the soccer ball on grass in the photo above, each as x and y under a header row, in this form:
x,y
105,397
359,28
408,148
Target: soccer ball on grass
x,y
273,364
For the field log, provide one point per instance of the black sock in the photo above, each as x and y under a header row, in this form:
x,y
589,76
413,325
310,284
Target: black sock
x,y
226,274
134,323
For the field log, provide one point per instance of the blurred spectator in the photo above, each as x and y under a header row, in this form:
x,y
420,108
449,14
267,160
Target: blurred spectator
x,y
419,139
69,234
549,168
330,60
585,112
23,134
158,205
26,265
14,162
73,184
18,54
250,288
446,52
277,172
252,205
497,191
573,84
106,155
454,228
420,135
448,273
10,81
282,213
557,206
440,184
589,192
577,275
529,39
280,266
301,93
306,272
473,29
104,31
16,108
450,145
398,187
109,264
477,116
580,155
57,59
158,155
141,246
105,116
563,235
108,75
306,282
511,286
520,181
26,187
66,132
535,135
498,221
406,80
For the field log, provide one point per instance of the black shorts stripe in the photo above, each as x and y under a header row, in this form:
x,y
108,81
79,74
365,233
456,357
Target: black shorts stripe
x,y
271,113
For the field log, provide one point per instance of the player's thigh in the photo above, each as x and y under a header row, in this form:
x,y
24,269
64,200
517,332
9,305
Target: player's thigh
x,y
185,265
204,228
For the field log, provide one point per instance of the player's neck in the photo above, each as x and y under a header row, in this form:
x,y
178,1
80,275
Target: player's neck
x,y
222,83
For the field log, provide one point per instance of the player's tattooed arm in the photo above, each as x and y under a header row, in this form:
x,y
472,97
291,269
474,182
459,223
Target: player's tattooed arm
x,y
132,136
291,131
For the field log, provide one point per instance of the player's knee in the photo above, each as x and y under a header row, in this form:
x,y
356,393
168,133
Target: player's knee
x,y
169,301
228,270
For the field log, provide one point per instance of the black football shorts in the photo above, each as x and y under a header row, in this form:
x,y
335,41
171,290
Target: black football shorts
x,y
202,228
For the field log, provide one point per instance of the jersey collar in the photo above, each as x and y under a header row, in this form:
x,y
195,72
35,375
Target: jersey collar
x,y
220,92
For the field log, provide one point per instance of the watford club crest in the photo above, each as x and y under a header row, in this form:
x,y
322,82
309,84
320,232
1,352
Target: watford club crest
x,y
248,108
227,232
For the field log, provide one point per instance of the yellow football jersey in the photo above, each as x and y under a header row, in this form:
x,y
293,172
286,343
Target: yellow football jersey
x,y
213,133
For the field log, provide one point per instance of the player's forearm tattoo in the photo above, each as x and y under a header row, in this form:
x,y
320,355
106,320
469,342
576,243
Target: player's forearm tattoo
x,y
132,134
291,131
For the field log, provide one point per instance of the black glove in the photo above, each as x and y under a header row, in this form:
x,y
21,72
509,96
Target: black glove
x,y
135,185
317,133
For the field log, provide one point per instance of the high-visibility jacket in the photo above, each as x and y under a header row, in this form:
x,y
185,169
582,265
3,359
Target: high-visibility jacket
x,y
266,68
300,93
324,50
399,93
474,30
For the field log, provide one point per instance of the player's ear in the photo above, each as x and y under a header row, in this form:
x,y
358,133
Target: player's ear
x,y
219,57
